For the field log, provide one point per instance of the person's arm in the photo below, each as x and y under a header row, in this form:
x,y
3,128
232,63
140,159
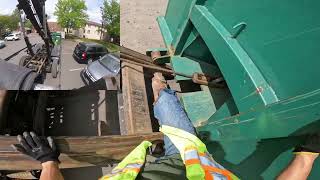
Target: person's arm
x,y
43,150
51,171
299,168
305,155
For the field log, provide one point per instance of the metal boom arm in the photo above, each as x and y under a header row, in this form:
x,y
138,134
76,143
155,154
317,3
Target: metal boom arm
x,y
34,11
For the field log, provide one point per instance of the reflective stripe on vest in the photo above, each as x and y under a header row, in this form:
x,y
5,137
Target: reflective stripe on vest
x,y
199,163
212,169
130,166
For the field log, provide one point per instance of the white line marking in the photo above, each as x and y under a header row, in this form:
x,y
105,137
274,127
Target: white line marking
x,y
78,69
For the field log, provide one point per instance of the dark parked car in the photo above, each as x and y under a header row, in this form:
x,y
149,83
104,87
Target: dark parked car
x,y
3,35
106,66
84,52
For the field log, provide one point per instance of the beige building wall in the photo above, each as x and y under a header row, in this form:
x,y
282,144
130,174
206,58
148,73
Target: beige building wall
x,y
90,31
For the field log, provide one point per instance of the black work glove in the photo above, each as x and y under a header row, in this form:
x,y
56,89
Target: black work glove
x,y
311,145
42,150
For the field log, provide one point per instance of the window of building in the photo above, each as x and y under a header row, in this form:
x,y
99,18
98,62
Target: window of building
x,y
88,32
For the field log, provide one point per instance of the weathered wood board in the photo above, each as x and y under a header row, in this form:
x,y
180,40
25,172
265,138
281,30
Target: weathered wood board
x,y
135,102
76,151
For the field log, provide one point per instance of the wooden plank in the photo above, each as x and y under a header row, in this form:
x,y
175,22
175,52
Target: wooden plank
x,y
3,94
39,123
3,108
135,54
135,102
76,151
109,113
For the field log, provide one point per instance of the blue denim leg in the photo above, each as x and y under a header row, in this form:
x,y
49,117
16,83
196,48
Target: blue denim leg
x,y
169,111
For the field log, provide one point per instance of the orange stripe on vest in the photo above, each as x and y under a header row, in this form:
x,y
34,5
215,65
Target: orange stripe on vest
x,y
192,161
208,175
226,173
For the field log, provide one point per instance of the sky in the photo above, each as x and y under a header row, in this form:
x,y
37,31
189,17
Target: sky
x,y
7,6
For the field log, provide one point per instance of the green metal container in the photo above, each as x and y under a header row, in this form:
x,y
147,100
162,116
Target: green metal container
x,y
267,51
56,38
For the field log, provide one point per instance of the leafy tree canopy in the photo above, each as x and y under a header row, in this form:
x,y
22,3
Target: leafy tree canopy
x,y
9,22
71,13
28,24
111,16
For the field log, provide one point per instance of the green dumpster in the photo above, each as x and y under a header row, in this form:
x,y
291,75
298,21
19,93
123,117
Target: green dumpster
x,y
267,52
56,38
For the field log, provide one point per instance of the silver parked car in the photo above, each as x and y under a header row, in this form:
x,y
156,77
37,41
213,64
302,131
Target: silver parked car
x,y
106,66
2,44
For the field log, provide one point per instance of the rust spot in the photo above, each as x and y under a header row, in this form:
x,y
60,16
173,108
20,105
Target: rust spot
x,y
155,55
259,90
171,50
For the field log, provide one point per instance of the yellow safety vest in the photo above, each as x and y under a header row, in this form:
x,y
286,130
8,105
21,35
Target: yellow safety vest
x,y
199,163
130,166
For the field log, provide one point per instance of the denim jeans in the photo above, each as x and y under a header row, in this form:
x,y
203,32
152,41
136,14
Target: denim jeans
x,y
169,111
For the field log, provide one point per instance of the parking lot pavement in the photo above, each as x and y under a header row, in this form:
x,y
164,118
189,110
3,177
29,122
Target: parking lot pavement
x,y
70,68
69,76
14,46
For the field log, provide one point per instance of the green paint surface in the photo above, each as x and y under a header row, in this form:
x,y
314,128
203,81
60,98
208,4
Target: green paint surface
x,y
271,70
189,67
56,38
201,109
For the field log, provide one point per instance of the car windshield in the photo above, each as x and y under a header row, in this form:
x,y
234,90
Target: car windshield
x,y
110,62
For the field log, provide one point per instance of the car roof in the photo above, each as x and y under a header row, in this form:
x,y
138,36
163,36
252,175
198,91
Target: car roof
x,y
114,56
90,44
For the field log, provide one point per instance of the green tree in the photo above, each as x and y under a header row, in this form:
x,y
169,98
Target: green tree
x,y
16,15
28,24
4,21
9,22
15,20
111,17
71,14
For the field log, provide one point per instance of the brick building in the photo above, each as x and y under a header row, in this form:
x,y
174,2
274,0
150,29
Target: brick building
x,y
54,27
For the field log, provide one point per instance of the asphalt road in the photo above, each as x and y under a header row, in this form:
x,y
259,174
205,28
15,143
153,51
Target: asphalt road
x,y
69,76
14,46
